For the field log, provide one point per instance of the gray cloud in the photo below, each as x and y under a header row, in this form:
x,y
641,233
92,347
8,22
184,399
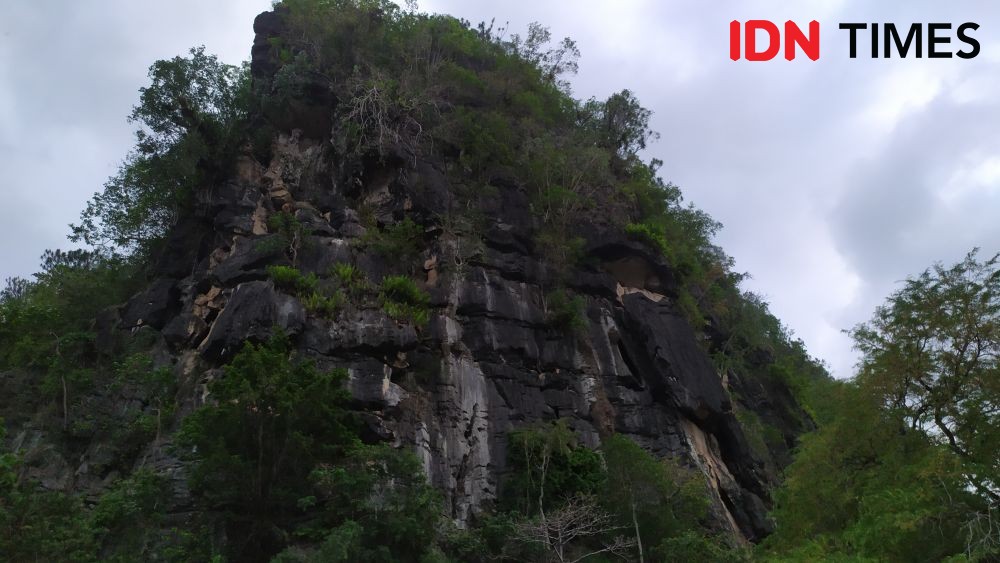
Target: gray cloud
x,y
69,76
834,179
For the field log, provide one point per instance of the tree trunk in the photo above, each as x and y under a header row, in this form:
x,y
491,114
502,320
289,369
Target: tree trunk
x,y
65,402
638,539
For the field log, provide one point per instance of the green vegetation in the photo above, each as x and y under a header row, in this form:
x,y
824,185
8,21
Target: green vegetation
x,y
324,305
636,507
192,117
566,312
292,279
278,453
36,525
124,524
291,235
273,421
649,235
351,278
315,299
661,504
494,108
400,243
404,301
129,515
276,460
905,466
548,468
47,326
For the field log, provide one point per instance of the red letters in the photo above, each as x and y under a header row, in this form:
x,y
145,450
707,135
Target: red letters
x,y
773,36
793,36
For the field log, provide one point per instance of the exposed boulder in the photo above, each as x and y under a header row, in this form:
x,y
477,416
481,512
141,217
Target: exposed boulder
x,y
253,314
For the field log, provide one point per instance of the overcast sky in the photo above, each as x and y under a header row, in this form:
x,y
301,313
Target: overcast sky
x,y
834,179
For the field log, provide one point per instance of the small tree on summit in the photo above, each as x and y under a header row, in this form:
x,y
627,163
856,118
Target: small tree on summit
x,y
190,119
621,124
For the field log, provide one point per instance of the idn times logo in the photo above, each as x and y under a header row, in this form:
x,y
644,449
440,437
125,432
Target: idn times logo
x,y
935,40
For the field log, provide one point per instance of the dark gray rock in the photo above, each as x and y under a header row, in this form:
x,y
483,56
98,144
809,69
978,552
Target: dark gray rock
x,y
252,314
185,330
487,363
366,331
319,254
153,307
248,260
665,349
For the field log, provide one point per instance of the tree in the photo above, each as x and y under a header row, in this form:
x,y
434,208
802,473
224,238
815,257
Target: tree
x,y
621,123
931,354
38,525
191,120
656,497
554,62
548,467
380,496
14,288
905,466
867,486
578,520
273,419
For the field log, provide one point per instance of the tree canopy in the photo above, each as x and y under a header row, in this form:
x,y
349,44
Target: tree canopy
x,y
191,117
905,468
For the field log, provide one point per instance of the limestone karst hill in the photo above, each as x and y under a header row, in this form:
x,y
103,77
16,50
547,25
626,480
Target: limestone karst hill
x,y
420,208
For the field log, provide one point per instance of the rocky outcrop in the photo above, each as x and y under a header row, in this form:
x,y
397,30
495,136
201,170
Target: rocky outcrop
x,y
487,362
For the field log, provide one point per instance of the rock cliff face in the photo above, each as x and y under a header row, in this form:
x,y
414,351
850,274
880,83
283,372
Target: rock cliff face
x,y
487,362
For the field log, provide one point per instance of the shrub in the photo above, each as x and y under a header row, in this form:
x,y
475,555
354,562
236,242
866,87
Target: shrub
x,y
566,312
402,289
547,465
400,243
650,235
292,280
404,301
323,305
38,525
128,513
690,309
401,312
350,276
291,235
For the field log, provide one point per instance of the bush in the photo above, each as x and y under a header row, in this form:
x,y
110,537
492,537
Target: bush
x,y
566,312
323,305
404,301
38,525
292,280
402,289
399,243
128,513
650,235
350,277
547,464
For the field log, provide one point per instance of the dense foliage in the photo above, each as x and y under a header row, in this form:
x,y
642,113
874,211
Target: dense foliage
x,y
635,506
192,118
905,468
278,453
47,325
